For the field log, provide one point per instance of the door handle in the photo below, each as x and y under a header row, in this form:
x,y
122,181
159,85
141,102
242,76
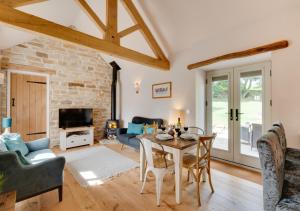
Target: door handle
x,y
13,102
237,114
231,114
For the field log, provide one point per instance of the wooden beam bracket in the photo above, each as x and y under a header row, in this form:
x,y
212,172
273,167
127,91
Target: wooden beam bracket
x,y
129,30
19,3
241,54
91,14
137,18
35,24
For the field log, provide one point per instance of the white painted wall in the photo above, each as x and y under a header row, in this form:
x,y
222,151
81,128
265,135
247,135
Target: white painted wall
x,y
183,84
285,80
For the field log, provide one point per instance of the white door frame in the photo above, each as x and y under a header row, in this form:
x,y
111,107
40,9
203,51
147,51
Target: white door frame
x,y
266,109
9,72
228,155
234,130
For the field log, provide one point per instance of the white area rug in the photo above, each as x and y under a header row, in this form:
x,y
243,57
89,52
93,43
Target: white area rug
x,y
93,166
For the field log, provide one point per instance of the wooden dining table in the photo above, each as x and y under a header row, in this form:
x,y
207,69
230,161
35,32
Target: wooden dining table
x,y
175,146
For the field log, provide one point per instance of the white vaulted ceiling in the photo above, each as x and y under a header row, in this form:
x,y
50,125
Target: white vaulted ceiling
x,y
177,24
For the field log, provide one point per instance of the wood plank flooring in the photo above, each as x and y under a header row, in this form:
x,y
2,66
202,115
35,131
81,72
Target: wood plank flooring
x,y
232,192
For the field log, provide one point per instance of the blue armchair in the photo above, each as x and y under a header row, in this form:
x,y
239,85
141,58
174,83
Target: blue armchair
x,y
38,172
280,171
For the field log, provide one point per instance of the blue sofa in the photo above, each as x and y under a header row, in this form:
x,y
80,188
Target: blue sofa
x,y
38,172
130,139
280,171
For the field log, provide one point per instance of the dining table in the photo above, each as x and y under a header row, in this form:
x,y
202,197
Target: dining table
x,y
177,147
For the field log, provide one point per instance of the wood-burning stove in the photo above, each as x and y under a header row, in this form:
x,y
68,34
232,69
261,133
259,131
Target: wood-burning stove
x,y
113,123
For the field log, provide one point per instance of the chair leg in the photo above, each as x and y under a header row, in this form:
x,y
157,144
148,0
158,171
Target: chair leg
x,y
159,181
145,177
210,183
60,193
188,176
122,147
198,192
198,178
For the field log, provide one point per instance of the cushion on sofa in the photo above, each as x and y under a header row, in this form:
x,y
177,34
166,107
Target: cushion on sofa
x,y
23,159
136,129
40,156
14,142
3,147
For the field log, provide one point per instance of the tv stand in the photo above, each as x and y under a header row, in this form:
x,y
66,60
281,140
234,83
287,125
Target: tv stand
x,y
77,136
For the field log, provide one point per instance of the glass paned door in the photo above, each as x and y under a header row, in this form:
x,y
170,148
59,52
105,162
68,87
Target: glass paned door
x,y
252,108
250,111
220,114
238,110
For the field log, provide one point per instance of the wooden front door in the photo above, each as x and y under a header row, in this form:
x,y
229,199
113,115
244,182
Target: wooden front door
x,y
28,106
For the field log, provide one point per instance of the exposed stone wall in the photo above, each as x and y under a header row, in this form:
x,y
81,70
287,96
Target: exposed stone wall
x,y
82,78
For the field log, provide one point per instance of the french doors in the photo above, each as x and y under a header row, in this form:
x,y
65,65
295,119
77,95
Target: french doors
x,y
239,111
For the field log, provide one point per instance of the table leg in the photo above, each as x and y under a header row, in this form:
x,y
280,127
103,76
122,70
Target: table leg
x,y
178,174
204,173
142,162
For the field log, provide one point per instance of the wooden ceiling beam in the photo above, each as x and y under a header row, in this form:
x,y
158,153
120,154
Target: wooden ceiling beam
x,y
129,30
112,21
19,3
32,23
91,14
241,54
137,18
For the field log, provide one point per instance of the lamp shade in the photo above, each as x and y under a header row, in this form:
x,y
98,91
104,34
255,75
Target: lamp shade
x,y
6,122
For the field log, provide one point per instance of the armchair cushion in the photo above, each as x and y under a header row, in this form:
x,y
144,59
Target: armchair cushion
x,y
14,142
40,156
3,147
288,205
136,129
38,144
23,159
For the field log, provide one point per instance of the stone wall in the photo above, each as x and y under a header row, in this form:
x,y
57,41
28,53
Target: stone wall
x,y
82,79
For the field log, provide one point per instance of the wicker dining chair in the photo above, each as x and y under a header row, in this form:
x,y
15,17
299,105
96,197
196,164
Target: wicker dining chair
x,y
197,163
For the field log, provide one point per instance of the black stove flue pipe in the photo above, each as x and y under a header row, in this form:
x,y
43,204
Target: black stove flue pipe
x,y
116,68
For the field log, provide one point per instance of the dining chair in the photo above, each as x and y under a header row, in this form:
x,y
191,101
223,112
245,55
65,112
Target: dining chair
x,y
199,162
195,130
159,166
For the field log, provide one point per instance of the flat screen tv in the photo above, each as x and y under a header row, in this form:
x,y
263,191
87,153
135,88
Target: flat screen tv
x,y
75,117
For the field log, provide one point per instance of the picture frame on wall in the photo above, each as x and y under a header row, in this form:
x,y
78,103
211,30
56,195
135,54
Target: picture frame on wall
x,y
162,90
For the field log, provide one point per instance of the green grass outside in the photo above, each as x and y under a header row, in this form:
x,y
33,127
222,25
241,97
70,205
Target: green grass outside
x,y
252,112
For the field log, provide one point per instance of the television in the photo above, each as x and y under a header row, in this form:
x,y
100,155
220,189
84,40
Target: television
x,y
75,117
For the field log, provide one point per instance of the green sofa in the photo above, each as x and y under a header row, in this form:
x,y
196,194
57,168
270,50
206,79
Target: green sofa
x,y
37,172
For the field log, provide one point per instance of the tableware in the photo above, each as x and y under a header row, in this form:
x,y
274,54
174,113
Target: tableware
x,y
187,136
164,137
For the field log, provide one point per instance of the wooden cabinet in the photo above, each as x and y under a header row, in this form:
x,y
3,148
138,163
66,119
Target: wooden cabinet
x,y
74,137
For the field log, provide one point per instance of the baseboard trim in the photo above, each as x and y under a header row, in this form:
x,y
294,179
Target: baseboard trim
x,y
237,164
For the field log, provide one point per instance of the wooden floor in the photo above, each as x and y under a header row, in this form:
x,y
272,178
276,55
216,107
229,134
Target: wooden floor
x,y
235,189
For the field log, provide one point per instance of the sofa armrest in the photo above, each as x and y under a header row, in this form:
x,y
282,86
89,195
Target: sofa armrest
x,y
38,144
29,180
121,131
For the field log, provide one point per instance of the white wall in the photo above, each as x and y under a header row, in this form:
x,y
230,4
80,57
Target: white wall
x,y
285,80
183,92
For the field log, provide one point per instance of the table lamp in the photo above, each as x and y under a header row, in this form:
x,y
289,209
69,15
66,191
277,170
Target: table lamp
x,y
6,124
